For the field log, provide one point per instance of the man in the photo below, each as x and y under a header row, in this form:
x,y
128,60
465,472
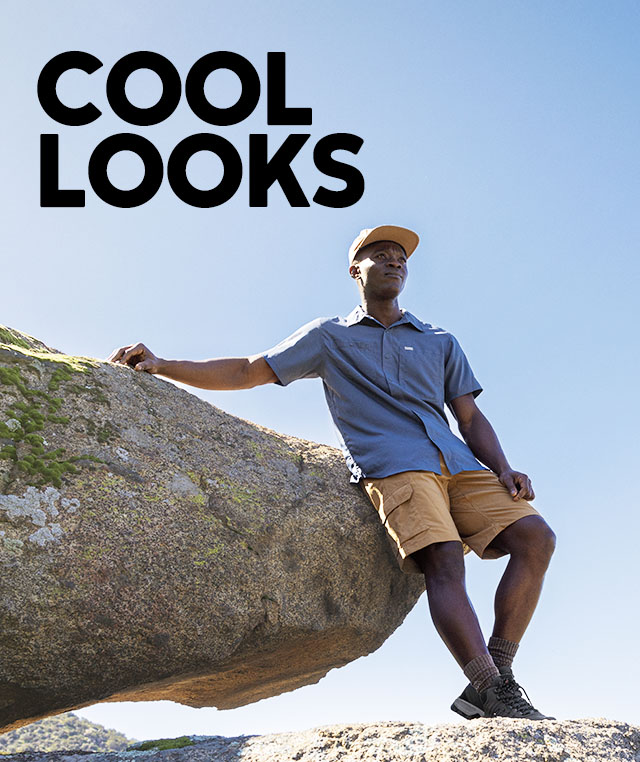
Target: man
x,y
387,377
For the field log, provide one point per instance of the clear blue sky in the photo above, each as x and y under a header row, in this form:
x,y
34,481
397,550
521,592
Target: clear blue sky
x,y
506,134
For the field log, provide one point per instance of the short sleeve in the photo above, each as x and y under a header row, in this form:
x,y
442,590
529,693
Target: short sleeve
x,y
458,376
301,355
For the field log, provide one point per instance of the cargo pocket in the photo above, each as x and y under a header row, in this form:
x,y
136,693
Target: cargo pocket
x,y
391,496
400,514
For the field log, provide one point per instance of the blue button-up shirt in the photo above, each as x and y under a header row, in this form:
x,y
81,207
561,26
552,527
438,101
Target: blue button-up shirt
x,y
386,389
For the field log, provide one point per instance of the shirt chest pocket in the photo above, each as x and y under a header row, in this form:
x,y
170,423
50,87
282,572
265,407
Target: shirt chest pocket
x,y
422,371
361,358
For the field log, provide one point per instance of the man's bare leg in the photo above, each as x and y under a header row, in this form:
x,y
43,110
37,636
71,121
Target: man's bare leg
x,y
530,543
442,564
457,624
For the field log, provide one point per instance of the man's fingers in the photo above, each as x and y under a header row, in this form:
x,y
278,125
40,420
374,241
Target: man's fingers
x,y
131,353
526,490
509,483
518,484
528,493
130,358
136,356
116,355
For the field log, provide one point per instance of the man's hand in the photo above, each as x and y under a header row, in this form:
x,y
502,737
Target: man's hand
x,y
518,484
136,356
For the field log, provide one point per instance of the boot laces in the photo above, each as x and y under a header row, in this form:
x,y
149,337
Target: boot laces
x,y
511,693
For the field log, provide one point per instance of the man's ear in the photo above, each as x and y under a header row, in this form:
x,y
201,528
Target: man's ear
x,y
354,271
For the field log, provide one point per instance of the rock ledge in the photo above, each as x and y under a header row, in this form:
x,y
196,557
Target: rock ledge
x,y
588,740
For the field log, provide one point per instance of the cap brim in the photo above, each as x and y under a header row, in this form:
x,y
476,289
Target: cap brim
x,y
405,237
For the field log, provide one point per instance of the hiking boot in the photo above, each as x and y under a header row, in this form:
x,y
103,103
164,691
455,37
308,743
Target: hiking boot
x,y
469,703
502,699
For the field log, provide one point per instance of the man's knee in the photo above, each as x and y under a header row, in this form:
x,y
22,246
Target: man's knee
x,y
530,536
441,562
547,540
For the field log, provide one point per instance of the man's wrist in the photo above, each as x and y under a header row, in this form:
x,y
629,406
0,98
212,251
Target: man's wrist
x,y
164,366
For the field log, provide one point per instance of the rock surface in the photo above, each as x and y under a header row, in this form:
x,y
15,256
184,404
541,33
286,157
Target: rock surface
x,y
154,547
503,740
64,731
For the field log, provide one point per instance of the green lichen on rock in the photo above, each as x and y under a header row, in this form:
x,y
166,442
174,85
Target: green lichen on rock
x,y
8,452
94,392
103,433
205,555
30,348
13,338
12,545
161,744
23,444
12,376
58,418
257,451
63,373
43,472
240,494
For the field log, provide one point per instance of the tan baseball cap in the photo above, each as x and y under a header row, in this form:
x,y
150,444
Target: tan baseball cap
x,y
405,237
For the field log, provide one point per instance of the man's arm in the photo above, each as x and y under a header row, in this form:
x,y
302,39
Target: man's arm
x,y
222,373
483,442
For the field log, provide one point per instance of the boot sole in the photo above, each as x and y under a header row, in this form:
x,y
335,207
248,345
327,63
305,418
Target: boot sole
x,y
466,709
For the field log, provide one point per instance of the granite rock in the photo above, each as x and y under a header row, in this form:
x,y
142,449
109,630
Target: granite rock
x,y
486,740
154,547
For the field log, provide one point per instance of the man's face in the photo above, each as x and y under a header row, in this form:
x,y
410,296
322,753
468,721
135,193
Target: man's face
x,y
381,269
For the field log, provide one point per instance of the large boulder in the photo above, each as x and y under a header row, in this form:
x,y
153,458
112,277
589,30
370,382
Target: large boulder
x,y
155,547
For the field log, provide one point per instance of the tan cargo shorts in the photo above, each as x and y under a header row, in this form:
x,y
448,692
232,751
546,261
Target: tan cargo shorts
x,y
419,508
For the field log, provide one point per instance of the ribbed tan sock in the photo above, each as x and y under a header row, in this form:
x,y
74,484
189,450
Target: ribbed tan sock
x,y
481,671
503,651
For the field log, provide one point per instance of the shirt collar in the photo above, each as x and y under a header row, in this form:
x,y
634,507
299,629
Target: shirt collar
x,y
358,314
